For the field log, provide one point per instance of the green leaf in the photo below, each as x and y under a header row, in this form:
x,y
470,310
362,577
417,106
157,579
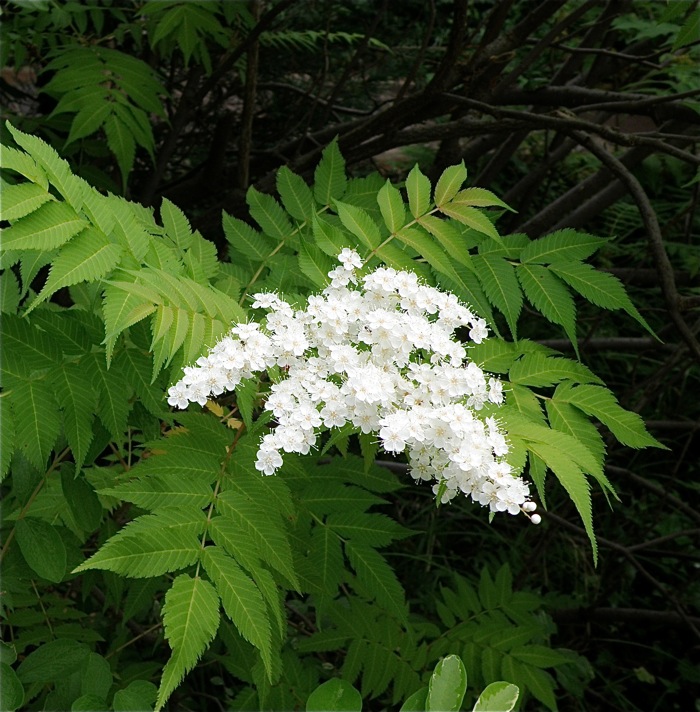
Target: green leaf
x,y
539,656
472,218
359,223
297,197
83,503
574,482
479,198
689,32
326,558
113,404
416,702
138,696
565,417
392,207
418,190
97,677
86,258
538,370
241,600
89,703
89,119
373,529
36,420
561,246
11,692
449,184
32,348
314,263
599,402
162,491
42,548
191,619
426,247
538,682
268,213
176,224
501,286
497,697
7,436
329,178
52,225
549,296
9,293
599,288
53,661
22,199
447,685
151,553
271,539
449,237
377,577
121,143
329,238
245,239
334,695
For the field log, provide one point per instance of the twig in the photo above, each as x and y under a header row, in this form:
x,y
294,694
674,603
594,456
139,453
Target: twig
x,y
653,229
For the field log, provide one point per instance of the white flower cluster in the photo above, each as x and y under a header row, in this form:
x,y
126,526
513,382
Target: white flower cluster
x,y
378,352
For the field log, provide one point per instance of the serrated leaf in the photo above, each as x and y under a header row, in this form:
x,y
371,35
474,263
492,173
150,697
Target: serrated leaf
x,y
328,237
53,661
574,482
241,600
32,348
112,398
52,225
191,619
689,31
449,184
297,197
472,218
426,247
314,263
78,402
359,223
479,198
329,177
449,237
272,541
154,552
599,288
21,199
373,529
326,559
497,276
539,656
538,370
600,402
377,577
87,258
88,120
7,436
565,417
42,548
244,238
391,206
561,246
121,143
176,224
549,296
418,190
538,682
268,213
162,491
36,420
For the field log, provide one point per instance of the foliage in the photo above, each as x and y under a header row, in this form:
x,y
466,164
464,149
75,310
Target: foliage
x,y
103,301
147,299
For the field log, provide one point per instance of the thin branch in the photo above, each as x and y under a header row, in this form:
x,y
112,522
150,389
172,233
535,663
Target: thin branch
x,y
653,230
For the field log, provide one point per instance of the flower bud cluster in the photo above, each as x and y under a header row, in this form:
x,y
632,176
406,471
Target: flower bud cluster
x,y
377,351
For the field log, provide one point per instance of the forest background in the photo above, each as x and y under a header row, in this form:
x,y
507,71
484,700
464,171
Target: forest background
x,y
582,117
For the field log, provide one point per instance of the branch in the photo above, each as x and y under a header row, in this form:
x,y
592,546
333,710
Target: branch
x,y
651,223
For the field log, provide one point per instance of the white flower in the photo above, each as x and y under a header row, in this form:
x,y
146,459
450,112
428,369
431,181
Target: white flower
x,y
378,352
